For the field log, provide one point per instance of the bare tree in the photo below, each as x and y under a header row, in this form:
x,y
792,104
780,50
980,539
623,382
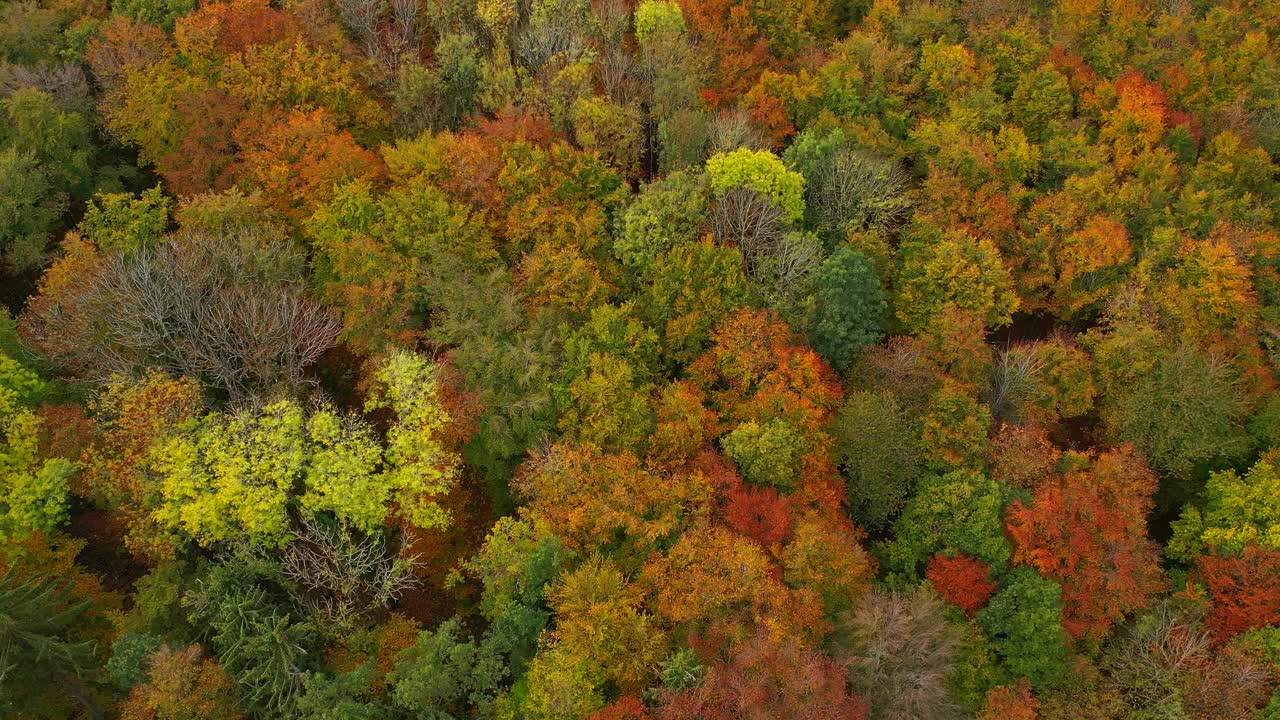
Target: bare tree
x,y
228,309
1014,381
859,190
343,576
898,650
752,221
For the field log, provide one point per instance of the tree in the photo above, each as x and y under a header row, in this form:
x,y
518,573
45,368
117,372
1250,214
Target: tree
x,y
961,580
714,580
594,499
665,214
767,454
878,448
1024,622
441,674
959,511
1184,410
826,557
1088,532
600,622
55,625
183,684
760,513
951,268
228,309
236,474
850,307
761,171
1245,590
1237,512
120,222
694,288
241,614
898,650
954,432
764,677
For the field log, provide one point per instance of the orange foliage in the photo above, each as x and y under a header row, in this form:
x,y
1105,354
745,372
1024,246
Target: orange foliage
x,y
1011,702
962,581
757,370
591,499
714,578
1088,532
183,684
298,160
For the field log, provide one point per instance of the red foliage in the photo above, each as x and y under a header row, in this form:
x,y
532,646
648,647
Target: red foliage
x,y
765,678
760,513
962,581
1245,591
1088,531
627,708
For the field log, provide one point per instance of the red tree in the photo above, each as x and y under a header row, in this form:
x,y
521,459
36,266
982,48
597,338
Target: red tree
x,y
627,708
1245,591
760,513
1088,531
962,581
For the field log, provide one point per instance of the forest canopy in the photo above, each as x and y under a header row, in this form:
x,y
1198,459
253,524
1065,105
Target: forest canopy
x,y
640,359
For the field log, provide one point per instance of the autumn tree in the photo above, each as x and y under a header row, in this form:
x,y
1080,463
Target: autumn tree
x,y
1088,531
961,580
764,677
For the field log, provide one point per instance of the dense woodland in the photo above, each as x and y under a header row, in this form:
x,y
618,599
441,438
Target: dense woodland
x,y
670,360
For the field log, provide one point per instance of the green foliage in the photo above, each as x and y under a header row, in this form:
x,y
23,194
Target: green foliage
x,y
440,676
267,651
767,454
30,208
130,660
118,222
878,446
420,468
1236,512
956,512
850,307
153,12
694,288
1185,410
761,171
665,214
1024,622
439,97
656,20
35,650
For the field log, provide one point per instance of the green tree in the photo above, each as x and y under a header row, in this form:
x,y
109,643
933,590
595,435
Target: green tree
x,y
851,308
1024,622
768,453
1236,512
442,676
665,214
956,512
878,447
761,171
121,222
